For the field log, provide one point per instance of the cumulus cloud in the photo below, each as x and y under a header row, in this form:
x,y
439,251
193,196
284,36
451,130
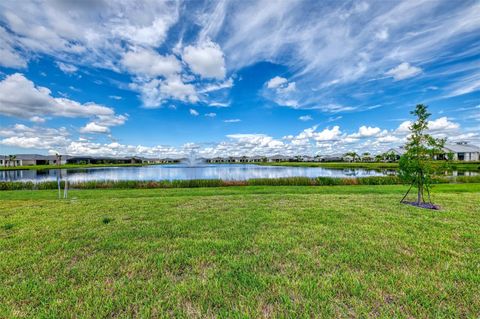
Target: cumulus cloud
x,y
281,92
205,59
21,98
211,114
155,92
442,124
275,82
93,127
23,136
147,62
312,140
366,131
403,71
194,112
232,121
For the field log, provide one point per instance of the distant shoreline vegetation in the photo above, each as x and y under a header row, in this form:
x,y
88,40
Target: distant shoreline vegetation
x,y
288,181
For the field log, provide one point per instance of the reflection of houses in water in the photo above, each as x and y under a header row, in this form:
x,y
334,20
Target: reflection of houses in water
x,y
30,175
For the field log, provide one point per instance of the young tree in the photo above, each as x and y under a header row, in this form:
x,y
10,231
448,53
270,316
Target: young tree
x,y
415,167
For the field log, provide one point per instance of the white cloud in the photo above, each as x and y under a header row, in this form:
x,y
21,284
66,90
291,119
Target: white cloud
x,y
403,71
366,131
92,32
11,59
305,118
465,85
404,127
37,119
206,59
219,104
442,124
287,89
333,108
328,134
115,97
147,62
217,86
211,114
67,68
194,112
382,35
154,92
329,140
19,97
232,121
333,119
93,127
34,137
276,82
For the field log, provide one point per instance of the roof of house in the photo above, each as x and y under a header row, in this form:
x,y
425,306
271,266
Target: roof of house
x,y
462,148
396,150
31,157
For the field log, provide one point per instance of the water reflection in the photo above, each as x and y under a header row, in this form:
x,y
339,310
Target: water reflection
x,y
184,172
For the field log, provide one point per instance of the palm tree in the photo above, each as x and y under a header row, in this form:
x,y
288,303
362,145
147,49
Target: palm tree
x,y
353,155
58,159
12,160
366,156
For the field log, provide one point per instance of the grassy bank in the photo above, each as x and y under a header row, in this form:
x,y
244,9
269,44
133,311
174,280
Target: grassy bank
x,y
42,167
459,166
257,251
287,181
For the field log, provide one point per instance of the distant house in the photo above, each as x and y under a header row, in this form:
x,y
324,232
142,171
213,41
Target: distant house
x,y
31,159
103,160
396,152
307,158
278,158
331,158
462,151
255,159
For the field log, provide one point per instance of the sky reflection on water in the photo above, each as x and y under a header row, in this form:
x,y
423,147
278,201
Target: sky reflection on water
x,y
183,172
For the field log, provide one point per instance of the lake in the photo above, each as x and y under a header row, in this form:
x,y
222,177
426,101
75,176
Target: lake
x,y
184,172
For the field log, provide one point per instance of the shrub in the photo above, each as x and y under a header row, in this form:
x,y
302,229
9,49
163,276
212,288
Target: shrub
x,y
287,181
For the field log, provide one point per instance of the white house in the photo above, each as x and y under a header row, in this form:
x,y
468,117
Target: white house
x,y
462,151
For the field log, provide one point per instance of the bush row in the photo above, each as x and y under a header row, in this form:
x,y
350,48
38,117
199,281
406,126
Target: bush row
x,y
288,181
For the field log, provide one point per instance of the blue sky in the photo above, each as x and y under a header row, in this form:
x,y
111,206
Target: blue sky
x,y
234,77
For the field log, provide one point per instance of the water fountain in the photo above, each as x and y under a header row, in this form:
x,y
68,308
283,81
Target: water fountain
x,y
192,159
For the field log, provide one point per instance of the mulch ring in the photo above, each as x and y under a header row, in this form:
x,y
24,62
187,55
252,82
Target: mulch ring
x,y
423,205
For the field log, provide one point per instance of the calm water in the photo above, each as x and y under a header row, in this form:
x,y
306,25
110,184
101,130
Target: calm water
x,y
180,171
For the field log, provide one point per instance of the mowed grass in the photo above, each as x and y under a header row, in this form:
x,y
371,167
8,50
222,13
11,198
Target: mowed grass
x,y
332,251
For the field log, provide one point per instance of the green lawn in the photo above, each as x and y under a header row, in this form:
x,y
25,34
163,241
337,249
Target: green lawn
x,y
338,251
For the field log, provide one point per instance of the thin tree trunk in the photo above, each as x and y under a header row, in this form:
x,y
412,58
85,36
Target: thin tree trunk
x,y
419,189
411,185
